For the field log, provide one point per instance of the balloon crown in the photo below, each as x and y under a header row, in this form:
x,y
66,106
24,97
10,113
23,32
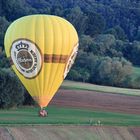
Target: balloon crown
x,y
22,45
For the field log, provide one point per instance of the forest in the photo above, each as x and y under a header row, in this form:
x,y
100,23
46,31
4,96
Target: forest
x,y
109,38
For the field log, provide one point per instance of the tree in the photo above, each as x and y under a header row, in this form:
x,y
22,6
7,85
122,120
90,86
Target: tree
x,y
84,74
79,74
28,100
111,71
136,83
73,75
4,62
118,33
85,42
95,25
105,45
1,11
14,9
77,18
3,26
131,51
107,39
11,90
135,53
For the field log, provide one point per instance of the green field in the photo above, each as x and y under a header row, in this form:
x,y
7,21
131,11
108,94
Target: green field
x,y
136,72
72,116
85,86
62,116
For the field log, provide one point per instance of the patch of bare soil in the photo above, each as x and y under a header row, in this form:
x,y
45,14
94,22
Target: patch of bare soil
x,y
5,135
136,132
97,100
70,133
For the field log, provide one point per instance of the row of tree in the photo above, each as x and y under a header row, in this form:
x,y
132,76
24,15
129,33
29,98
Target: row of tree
x,y
100,62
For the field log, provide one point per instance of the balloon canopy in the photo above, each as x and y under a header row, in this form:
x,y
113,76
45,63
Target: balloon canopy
x,y
41,49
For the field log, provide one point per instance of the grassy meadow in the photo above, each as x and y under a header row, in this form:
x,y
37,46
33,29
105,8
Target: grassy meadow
x,y
64,116
85,86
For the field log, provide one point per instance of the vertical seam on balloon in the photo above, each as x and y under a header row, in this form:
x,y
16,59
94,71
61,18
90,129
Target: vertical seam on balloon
x,y
69,38
56,72
62,40
44,42
57,64
36,79
56,68
68,45
62,47
46,87
44,23
52,53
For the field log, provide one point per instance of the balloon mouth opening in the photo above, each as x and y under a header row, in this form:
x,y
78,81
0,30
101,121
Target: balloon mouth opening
x,y
42,101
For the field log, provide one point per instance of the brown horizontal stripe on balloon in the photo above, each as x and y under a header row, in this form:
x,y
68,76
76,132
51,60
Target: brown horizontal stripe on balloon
x,y
50,58
54,58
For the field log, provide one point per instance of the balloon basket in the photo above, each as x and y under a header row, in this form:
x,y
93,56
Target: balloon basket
x,y
43,113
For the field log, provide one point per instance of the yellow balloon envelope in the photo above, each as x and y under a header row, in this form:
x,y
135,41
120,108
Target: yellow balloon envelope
x,y
41,49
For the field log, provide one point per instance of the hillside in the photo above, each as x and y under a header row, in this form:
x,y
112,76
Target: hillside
x,y
109,36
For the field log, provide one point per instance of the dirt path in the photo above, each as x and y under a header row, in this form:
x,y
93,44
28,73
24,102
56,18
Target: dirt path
x,y
69,133
97,100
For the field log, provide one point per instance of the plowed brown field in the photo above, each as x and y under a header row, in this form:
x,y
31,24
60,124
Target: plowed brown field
x,y
69,133
96,100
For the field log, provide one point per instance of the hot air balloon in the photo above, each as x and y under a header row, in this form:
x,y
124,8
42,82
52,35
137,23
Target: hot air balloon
x,y
41,50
